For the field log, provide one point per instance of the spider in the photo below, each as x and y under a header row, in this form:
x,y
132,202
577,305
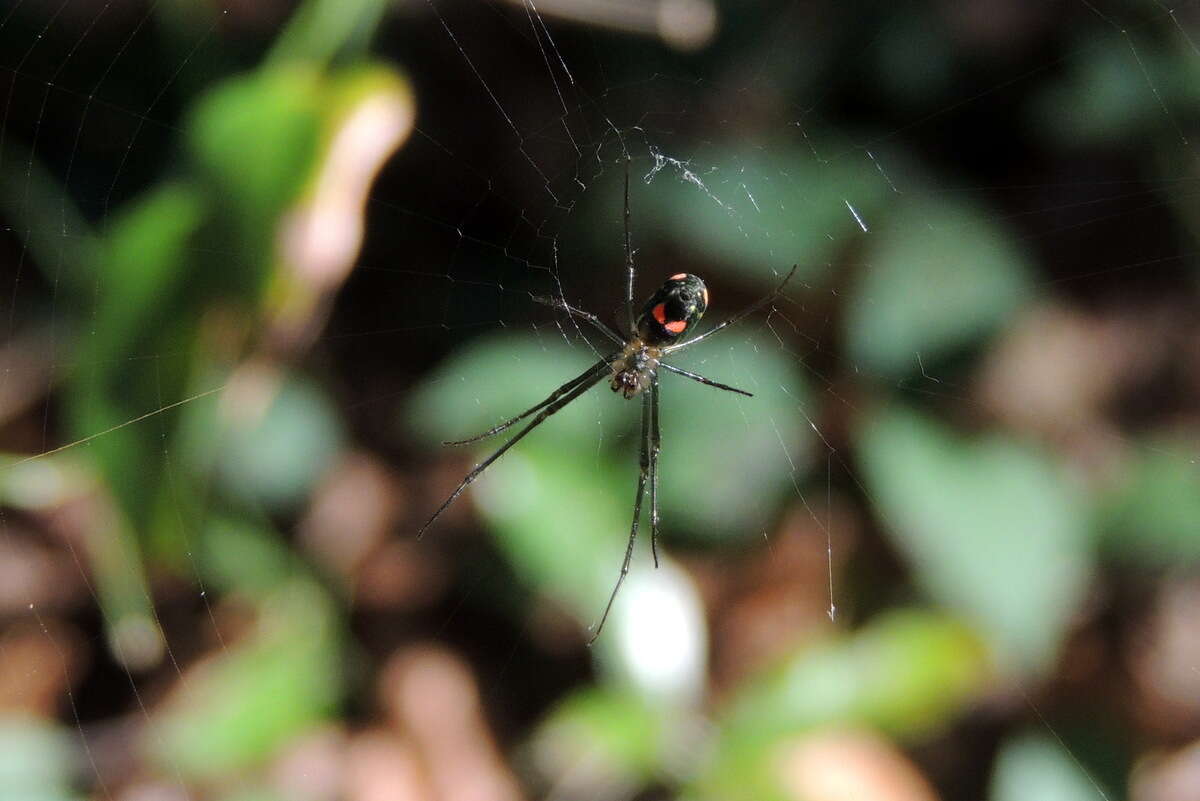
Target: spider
x,y
658,331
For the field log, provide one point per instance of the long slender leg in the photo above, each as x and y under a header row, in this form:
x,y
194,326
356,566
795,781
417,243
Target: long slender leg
x,y
644,469
705,381
655,447
629,271
594,376
591,372
555,303
737,318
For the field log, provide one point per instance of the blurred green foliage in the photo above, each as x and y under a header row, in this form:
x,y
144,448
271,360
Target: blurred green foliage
x,y
37,761
173,304
625,734
937,276
1035,766
276,462
256,695
205,242
771,206
992,529
1153,516
908,674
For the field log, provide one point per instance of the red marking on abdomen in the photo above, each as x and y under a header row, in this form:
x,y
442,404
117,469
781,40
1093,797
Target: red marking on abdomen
x,y
659,313
677,277
675,326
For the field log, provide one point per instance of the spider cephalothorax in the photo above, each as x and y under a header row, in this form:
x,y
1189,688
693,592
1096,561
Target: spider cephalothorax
x,y
635,367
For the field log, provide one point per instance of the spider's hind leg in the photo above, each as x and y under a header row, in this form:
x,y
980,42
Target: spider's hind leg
x,y
655,447
591,372
644,468
557,400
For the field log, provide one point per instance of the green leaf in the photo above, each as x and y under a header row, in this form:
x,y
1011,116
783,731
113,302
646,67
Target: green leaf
x,y
320,30
937,276
561,521
256,141
137,312
762,210
991,528
146,258
240,557
239,708
907,674
260,139
37,760
1154,518
728,461
618,733
1115,87
1035,766
276,457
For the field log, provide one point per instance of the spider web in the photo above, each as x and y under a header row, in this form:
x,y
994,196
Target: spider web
x,y
810,138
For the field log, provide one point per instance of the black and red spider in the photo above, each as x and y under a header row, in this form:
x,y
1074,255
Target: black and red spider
x,y
671,312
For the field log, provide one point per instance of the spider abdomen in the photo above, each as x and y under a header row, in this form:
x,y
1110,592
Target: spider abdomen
x,y
635,367
673,309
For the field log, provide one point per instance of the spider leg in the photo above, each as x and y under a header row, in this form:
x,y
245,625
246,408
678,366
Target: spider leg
x,y
644,470
737,318
562,305
582,385
655,446
628,259
591,372
706,381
